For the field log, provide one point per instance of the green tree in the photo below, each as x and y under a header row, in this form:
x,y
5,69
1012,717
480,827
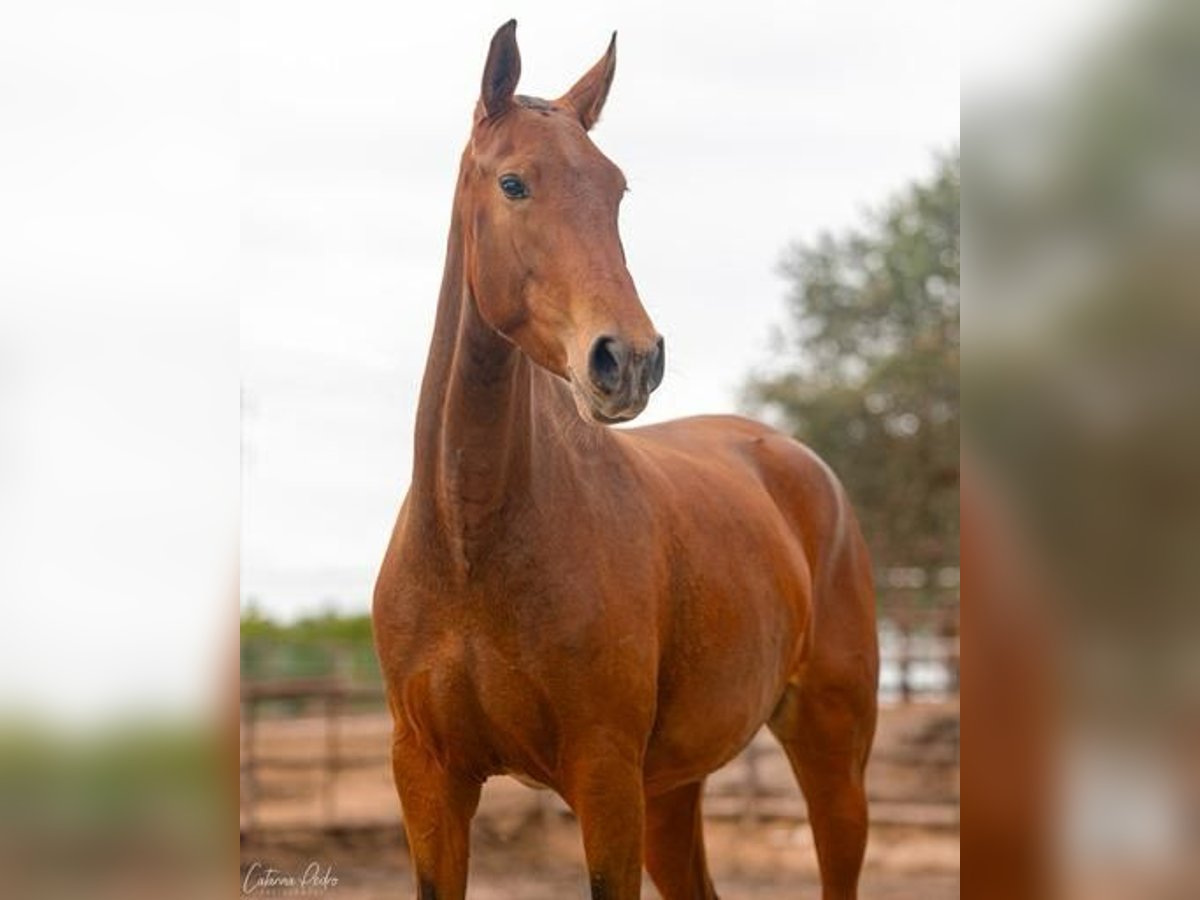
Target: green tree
x,y
868,363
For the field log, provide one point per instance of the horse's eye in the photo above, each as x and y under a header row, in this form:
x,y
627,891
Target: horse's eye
x,y
513,187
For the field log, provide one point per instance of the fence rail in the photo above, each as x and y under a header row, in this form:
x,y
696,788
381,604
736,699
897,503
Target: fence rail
x,y
919,649
746,800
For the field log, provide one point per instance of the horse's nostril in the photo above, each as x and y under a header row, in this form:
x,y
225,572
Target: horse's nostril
x,y
657,364
605,363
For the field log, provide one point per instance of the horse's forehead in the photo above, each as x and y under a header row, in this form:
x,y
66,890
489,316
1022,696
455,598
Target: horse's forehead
x,y
545,141
548,133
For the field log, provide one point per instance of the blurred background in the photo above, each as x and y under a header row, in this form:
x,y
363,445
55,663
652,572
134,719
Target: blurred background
x,y
1080,447
119,462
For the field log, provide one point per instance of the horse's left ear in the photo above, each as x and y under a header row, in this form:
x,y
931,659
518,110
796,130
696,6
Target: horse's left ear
x,y
589,93
501,72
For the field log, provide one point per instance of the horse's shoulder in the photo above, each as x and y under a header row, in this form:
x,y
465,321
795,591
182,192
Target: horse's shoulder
x,y
700,434
706,436
735,448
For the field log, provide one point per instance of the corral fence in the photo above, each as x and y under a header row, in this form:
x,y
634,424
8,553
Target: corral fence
x,y
335,683
918,624
334,699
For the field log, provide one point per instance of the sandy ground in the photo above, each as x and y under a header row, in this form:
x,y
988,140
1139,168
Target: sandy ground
x,y
526,846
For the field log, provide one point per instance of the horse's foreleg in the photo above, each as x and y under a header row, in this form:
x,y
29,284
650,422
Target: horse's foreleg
x,y
675,844
438,807
605,790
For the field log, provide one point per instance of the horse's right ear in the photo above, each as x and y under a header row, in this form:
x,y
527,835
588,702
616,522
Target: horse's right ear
x,y
502,71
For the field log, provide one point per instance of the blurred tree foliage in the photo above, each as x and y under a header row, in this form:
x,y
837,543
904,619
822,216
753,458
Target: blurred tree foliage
x,y
323,645
319,628
868,367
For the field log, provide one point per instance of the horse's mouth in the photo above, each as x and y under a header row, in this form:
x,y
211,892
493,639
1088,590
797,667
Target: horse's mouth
x,y
597,408
612,420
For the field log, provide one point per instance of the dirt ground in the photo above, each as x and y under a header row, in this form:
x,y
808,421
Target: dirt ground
x,y
526,845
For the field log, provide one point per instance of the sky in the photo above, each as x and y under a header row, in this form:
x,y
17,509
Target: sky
x,y
738,134
118,356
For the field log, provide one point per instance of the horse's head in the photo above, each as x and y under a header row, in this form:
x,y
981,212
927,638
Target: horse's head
x,y
543,257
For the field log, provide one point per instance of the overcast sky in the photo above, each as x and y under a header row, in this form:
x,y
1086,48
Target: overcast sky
x,y
738,132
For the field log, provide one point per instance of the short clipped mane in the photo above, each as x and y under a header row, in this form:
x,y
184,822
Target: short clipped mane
x,y
534,103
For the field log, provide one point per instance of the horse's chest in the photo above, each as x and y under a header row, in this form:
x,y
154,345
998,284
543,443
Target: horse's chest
x,y
479,700
481,717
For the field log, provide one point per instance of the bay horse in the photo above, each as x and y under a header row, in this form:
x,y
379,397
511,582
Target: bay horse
x,y
609,613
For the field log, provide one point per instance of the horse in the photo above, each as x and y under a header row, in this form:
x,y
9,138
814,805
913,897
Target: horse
x,y
610,613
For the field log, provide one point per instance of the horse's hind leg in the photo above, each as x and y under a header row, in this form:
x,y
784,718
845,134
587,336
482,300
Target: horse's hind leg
x,y
826,730
675,844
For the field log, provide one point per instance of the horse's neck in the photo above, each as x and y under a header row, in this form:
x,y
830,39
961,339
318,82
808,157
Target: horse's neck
x,y
476,427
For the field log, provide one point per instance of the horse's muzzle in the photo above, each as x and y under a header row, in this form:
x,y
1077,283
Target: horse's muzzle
x,y
621,377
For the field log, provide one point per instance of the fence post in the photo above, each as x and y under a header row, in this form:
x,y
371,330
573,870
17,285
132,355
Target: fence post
x,y
950,637
905,659
249,784
332,753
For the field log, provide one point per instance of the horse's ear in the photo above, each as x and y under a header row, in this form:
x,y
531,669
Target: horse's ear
x,y
589,93
502,70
